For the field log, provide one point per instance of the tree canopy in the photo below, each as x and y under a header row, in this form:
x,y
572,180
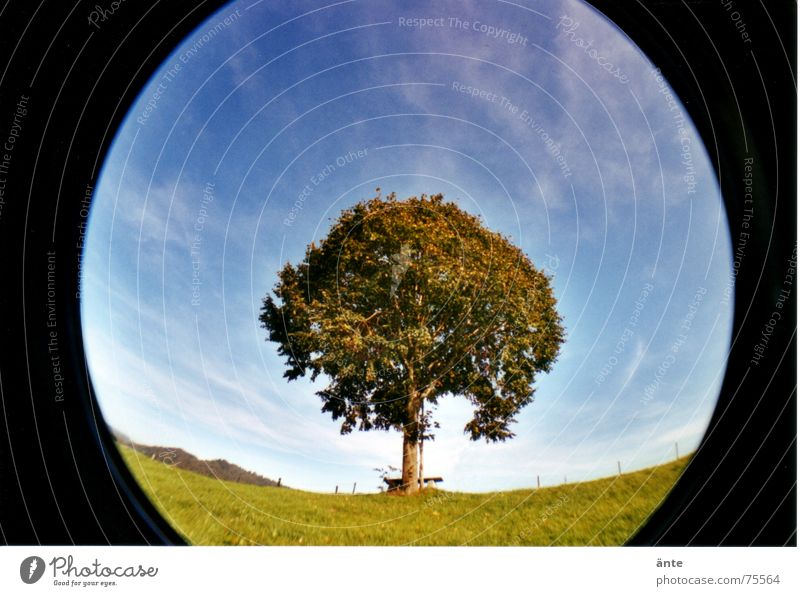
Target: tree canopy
x,y
407,301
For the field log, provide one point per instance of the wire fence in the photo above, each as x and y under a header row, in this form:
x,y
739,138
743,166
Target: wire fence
x,y
396,485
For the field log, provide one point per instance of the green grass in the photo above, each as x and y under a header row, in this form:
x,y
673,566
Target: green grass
x,y
207,511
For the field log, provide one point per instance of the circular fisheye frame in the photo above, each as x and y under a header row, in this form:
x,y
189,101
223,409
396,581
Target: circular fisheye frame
x,y
382,274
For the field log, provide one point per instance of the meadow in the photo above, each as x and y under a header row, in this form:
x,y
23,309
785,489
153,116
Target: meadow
x,y
207,511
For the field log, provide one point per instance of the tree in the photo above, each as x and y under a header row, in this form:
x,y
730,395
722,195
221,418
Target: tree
x,y
405,302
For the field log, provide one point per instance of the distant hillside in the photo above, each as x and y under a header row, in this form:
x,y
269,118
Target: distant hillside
x,y
214,468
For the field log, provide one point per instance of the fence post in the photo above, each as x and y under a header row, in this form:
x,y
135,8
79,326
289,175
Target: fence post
x,y
336,490
676,450
538,484
279,482
354,488
619,468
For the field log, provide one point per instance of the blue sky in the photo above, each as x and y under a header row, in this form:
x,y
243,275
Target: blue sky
x,y
540,116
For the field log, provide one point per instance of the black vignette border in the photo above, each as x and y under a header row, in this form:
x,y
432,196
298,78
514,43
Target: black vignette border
x,y
63,482
76,76
733,66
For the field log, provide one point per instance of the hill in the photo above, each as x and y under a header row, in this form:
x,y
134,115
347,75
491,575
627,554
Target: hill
x,y
218,469
607,511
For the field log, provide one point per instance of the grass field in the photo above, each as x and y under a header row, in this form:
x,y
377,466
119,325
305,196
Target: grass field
x,y
206,511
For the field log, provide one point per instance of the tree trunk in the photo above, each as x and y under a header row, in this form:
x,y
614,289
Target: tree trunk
x,y
421,468
421,443
410,475
410,462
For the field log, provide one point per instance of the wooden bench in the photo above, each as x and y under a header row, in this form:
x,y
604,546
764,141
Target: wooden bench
x,y
397,483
